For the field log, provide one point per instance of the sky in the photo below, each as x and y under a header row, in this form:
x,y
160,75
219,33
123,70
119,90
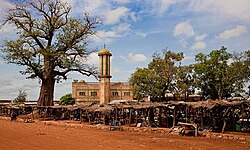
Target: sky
x,y
133,30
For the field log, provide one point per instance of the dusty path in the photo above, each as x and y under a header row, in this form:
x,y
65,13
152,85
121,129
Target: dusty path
x,y
37,136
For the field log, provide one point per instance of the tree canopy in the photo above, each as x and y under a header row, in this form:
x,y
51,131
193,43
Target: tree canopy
x,y
217,75
160,76
67,100
212,73
50,43
221,74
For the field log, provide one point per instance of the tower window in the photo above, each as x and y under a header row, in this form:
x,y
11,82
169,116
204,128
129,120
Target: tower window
x,y
107,65
81,93
93,93
126,93
102,65
115,93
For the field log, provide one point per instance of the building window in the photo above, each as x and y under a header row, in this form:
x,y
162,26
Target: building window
x,y
93,93
115,93
81,93
126,93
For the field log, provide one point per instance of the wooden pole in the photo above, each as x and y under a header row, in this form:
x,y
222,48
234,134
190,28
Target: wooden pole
x,y
130,115
186,113
81,116
167,116
89,116
202,117
116,114
224,120
149,120
224,125
174,115
32,113
234,119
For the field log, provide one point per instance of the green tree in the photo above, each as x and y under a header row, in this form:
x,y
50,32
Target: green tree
x,y
140,82
185,83
240,74
160,76
22,97
67,100
212,73
50,43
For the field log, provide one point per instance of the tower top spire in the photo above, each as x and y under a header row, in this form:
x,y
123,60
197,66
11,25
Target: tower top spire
x,y
104,51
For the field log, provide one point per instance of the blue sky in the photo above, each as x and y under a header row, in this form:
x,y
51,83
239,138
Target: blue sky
x,y
134,29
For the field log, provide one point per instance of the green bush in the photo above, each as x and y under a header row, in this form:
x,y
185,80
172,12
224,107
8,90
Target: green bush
x,y
67,100
22,97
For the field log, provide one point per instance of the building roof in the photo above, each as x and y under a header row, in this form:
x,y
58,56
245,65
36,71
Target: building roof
x,y
104,51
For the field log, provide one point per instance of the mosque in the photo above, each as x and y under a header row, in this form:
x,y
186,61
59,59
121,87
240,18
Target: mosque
x,y
103,91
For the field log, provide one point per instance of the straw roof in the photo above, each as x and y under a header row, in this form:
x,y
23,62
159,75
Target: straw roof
x,y
94,107
99,108
146,105
104,109
211,103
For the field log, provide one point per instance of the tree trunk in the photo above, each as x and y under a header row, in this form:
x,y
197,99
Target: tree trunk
x,y
46,93
220,94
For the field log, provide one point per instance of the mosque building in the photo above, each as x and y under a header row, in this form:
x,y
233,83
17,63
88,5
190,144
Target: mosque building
x,y
103,91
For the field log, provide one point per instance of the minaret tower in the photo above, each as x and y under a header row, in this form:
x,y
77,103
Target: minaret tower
x,y
104,75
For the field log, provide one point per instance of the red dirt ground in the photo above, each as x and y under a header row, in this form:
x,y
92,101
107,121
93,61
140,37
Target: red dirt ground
x,y
38,136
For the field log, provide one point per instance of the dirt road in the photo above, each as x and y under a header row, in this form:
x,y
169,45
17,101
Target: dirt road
x,y
37,136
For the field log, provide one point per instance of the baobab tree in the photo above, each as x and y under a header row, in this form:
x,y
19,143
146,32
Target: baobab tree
x,y
50,43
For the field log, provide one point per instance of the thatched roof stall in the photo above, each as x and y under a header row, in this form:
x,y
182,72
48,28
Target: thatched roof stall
x,y
104,109
92,108
54,112
98,108
85,105
147,105
210,104
119,102
216,112
129,112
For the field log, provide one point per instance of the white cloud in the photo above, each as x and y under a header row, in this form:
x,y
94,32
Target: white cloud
x,y
94,8
141,34
11,83
136,58
231,33
160,6
105,9
199,45
200,37
5,82
71,2
5,5
114,16
184,29
122,28
199,42
133,16
93,59
184,33
122,1
232,10
7,32
6,29
105,36
115,70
